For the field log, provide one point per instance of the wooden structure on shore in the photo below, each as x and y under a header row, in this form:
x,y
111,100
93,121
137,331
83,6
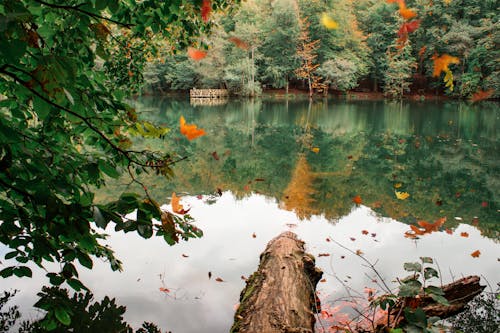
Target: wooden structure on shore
x,y
208,93
281,295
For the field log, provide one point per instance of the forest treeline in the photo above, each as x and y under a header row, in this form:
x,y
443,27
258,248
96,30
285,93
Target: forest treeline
x,y
342,45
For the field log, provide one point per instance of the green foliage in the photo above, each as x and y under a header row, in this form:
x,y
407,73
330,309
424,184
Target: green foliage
x,y
58,306
8,318
65,129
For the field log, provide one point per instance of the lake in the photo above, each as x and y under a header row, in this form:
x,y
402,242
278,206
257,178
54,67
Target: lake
x,y
355,173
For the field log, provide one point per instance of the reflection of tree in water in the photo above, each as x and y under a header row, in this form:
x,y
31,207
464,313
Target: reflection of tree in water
x,y
298,195
446,158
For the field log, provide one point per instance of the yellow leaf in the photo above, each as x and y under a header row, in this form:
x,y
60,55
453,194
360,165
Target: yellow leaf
x,y
328,22
398,185
315,149
402,195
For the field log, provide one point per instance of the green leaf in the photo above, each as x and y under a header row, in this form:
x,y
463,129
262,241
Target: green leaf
x,y
413,266
430,272
407,290
84,260
62,316
108,169
49,324
76,284
6,272
99,218
434,290
427,260
440,299
417,318
396,330
11,255
23,271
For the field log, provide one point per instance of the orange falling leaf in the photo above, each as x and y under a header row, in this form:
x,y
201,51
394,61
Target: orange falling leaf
x,y
407,13
190,131
315,150
322,280
475,254
464,234
164,290
218,279
442,62
364,232
357,200
196,54
359,252
449,231
408,27
176,206
239,43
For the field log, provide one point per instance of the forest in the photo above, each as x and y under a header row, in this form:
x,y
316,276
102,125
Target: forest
x,y
73,128
421,47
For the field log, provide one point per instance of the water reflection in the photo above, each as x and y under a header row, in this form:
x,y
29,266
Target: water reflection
x,y
291,165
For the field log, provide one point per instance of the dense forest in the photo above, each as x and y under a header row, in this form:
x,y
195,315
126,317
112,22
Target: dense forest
x,y
342,45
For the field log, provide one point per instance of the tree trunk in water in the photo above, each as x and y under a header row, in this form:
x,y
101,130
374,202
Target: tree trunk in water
x,y
280,296
458,294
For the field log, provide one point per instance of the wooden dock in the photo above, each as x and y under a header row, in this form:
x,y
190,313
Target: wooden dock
x,y
208,93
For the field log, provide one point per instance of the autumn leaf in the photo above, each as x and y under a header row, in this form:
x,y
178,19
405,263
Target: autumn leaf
x,y
407,13
449,231
324,255
476,254
402,195
364,232
352,239
315,150
196,54
328,22
206,8
164,290
239,43
185,255
176,206
209,275
218,279
442,62
464,234
408,27
398,185
357,200
322,280
190,131
254,235
215,156
359,252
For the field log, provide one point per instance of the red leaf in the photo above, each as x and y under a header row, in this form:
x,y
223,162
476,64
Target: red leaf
x,y
373,234
464,234
481,95
164,290
328,240
357,200
215,155
476,254
239,43
364,232
196,54
484,204
206,8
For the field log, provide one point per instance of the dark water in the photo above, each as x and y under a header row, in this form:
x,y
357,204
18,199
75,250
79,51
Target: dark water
x,y
294,165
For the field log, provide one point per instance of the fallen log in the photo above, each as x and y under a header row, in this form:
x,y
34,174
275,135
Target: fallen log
x,y
280,296
457,293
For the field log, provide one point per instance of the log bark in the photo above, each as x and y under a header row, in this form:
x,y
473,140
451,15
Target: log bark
x,y
280,296
458,294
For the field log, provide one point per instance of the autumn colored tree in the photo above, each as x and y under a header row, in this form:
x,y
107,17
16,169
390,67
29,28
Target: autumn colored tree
x,y
66,130
306,52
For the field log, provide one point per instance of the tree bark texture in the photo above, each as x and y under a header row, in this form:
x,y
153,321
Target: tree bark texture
x,y
280,296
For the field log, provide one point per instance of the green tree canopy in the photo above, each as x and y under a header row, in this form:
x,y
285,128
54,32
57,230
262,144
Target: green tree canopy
x,y
65,69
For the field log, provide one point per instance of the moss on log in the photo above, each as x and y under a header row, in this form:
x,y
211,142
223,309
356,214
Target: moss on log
x,y
280,296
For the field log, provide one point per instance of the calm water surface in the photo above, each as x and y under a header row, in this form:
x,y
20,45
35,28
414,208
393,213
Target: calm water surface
x,y
293,165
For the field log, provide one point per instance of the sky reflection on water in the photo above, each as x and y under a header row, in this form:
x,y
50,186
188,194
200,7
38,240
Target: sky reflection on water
x,y
228,250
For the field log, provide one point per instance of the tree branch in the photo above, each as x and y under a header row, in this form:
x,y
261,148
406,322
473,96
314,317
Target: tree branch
x,y
83,11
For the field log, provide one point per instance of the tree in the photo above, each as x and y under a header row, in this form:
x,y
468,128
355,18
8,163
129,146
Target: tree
x,y
65,129
306,52
280,44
